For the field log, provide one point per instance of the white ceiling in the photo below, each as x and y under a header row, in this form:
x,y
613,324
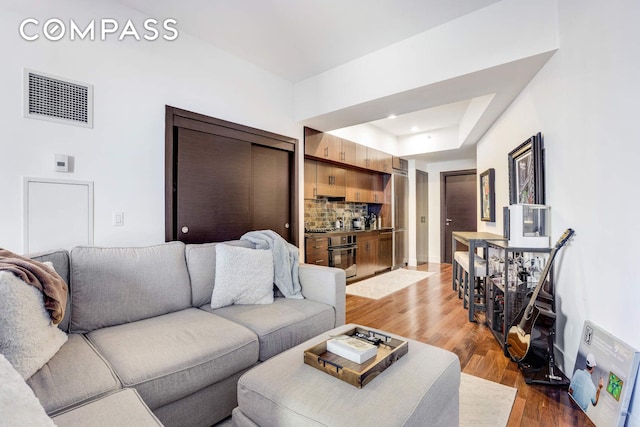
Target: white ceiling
x,y
443,116
299,39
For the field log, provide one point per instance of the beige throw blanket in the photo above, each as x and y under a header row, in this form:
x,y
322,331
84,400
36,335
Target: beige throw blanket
x,y
34,273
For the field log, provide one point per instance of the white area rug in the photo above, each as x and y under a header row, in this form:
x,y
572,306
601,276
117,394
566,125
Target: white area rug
x,y
484,403
380,286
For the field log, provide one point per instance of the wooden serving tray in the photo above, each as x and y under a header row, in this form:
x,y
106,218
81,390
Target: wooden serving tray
x,y
357,374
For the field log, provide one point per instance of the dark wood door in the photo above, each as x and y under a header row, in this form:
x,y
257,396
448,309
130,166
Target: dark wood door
x,y
458,207
270,191
213,187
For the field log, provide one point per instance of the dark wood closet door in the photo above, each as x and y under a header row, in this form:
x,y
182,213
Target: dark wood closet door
x,y
213,187
270,196
223,179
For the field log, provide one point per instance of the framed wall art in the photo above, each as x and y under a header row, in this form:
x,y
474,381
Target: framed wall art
x,y
488,195
526,172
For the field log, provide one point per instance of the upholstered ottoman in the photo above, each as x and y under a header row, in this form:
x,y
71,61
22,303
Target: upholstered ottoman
x,y
419,389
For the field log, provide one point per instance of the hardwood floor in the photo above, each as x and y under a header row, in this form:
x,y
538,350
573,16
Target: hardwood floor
x,y
431,312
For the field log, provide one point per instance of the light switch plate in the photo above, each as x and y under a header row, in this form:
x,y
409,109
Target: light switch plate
x,y
118,219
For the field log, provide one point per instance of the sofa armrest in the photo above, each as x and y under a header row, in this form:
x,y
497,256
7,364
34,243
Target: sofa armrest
x,y
326,285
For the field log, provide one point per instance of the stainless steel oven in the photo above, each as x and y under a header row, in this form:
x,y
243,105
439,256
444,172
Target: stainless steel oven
x,y
342,253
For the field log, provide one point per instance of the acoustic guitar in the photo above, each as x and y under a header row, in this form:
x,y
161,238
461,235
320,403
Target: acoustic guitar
x,y
519,335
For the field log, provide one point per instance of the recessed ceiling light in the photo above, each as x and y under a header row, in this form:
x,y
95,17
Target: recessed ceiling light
x,y
414,129
391,116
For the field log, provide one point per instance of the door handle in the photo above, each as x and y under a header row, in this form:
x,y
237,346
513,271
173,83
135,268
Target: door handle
x,y
448,221
185,229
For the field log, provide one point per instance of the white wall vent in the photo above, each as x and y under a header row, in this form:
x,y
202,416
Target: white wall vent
x,y
58,100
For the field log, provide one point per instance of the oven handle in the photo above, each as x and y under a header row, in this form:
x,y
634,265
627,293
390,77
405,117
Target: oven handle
x,y
343,248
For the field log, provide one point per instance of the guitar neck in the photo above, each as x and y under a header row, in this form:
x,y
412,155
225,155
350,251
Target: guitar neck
x,y
545,272
543,276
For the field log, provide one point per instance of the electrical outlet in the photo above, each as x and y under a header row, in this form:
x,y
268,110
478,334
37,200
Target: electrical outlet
x,y
118,219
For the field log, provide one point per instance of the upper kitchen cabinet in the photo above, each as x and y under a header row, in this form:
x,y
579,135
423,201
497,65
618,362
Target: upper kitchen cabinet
x,y
372,159
323,146
349,152
364,187
379,160
330,148
330,180
358,186
310,179
399,164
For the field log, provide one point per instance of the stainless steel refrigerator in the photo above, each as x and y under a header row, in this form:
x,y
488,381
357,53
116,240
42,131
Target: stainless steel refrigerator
x,y
400,191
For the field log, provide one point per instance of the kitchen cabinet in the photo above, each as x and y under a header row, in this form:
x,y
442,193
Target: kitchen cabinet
x,y
330,148
379,160
330,180
323,146
385,250
364,187
358,186
317,250
310,179
361,157
399,164
349,152
367,254
377,188
372,159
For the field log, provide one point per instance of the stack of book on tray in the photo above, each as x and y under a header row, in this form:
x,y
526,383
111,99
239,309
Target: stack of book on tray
x,y
352,348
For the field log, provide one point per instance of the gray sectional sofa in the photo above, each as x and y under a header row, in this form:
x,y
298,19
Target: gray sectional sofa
x,y
144,344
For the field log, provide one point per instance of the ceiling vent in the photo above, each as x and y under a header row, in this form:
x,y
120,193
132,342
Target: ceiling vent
x,y
58,100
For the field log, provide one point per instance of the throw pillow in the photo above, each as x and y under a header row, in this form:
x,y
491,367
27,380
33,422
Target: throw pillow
x,y
243,276
19,406
28,339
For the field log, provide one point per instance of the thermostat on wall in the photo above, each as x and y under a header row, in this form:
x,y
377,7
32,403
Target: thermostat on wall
x,y
61,163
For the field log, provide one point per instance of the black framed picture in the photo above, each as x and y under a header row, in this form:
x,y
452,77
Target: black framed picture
x,y
488,195
526,172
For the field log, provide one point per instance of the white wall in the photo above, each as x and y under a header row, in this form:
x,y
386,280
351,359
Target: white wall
x,y
133,81
584,101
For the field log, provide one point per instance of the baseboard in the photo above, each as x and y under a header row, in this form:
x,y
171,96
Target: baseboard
x,y
561,361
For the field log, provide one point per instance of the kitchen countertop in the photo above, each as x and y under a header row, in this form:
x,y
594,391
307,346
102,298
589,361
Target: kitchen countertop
x,y
343,231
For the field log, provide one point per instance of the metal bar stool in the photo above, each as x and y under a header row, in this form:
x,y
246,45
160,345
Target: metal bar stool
x,y
471,293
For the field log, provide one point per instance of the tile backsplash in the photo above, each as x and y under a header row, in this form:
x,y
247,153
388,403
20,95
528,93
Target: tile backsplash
x,y
322,213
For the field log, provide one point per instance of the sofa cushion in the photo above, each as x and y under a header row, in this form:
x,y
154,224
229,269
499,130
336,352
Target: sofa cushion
x,y
28,339
75,374
122,408
60,260
243,276
201,261
18,405
281,325
111,286
169,357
